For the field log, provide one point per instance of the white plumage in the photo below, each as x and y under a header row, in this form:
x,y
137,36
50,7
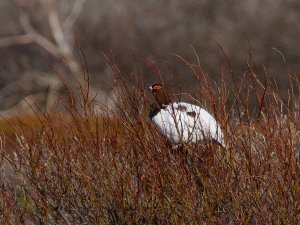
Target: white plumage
x,y
184,122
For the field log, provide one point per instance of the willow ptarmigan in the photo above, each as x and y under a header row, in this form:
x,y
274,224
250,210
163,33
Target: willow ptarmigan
x,y
182,122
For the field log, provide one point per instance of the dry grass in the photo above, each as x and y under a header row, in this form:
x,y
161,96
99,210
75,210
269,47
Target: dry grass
x,y
112,167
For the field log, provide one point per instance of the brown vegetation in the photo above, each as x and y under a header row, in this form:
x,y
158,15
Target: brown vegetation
x,y
112,167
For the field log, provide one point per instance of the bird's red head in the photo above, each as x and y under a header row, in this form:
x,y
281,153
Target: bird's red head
x,y
159,94
155,87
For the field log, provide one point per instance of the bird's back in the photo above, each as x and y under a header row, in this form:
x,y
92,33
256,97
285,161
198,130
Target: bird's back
x,y
184,122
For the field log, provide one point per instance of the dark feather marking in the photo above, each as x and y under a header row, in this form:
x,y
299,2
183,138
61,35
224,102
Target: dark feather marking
x,y
192,114
153,111
182,108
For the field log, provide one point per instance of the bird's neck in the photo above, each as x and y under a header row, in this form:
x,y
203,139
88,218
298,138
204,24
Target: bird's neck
x,y
162,99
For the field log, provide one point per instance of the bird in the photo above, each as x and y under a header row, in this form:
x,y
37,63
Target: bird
x,y
182,122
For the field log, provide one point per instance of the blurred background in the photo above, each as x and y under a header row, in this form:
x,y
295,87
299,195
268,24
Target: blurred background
x,y
39,35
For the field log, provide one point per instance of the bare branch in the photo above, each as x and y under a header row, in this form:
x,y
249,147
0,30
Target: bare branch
x,y
16,40
60,38
36,37
48,45
26,25
71,19
24,39
58,33
62,47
